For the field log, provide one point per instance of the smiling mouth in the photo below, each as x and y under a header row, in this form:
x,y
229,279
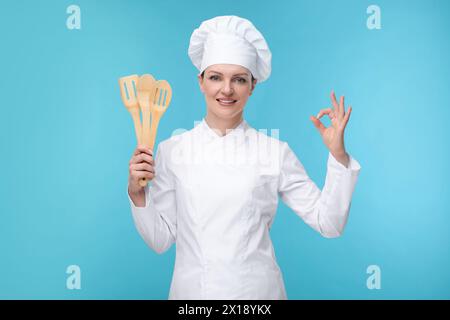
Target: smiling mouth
x,y
226,102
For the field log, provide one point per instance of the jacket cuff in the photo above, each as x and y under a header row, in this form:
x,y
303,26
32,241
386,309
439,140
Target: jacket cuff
x,y
353,166
134,208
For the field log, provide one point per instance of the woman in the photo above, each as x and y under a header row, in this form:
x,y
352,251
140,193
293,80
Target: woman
x,y
214,189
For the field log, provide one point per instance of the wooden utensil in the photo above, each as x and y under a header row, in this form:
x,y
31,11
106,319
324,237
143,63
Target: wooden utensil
x,y
159,101
128,87
162,98
145,92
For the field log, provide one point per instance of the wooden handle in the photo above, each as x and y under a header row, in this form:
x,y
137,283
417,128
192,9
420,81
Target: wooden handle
x,y
137,124
156,116
145,137
145,127
143,182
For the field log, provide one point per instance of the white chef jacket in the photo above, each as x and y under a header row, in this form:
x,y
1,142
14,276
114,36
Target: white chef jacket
x,y
216,198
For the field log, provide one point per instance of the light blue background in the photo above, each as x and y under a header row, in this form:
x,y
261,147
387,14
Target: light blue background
x,y
66,140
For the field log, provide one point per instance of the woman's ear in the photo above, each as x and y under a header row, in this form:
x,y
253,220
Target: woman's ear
x,y
200,82
253,86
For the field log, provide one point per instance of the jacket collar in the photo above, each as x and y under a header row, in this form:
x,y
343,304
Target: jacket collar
x,y
240,130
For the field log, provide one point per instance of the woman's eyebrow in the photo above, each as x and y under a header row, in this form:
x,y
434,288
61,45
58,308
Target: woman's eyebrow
x,y
238,74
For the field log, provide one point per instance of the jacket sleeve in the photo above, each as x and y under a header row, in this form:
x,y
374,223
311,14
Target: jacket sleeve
x,y
325,211
156,222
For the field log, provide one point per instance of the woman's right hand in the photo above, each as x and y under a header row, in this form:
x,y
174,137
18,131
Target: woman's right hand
x,y
141,166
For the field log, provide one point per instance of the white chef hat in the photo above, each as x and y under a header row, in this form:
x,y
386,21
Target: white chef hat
x,y
230,40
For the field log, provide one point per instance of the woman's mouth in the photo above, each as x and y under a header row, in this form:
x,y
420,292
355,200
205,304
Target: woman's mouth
x,y
226,102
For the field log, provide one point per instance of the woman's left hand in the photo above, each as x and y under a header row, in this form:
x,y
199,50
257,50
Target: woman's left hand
x,y
333,136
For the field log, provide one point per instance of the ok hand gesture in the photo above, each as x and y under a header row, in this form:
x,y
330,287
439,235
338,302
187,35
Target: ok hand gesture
x,y
333,136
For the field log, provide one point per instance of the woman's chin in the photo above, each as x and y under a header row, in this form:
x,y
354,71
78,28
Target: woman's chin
x,y
228,113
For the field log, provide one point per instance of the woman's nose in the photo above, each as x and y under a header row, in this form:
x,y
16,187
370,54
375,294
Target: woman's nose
x,y
227,88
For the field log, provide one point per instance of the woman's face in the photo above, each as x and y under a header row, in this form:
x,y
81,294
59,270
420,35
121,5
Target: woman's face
x,y
226,88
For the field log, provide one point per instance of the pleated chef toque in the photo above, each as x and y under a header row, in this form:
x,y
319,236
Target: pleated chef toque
x,y
230,40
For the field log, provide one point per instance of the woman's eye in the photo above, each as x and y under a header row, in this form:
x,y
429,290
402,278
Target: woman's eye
x,y
217,78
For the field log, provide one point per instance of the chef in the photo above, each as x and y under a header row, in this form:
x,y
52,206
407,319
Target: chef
x,y
214,189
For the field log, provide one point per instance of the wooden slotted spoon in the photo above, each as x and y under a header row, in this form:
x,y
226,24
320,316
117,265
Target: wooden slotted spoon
x,y
159,102
128,87
162,98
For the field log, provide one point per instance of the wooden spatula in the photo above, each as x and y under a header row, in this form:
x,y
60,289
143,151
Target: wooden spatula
x,y
128,87
162,98
145,93
159,102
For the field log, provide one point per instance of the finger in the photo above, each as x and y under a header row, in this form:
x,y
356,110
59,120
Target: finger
x,y
333,101
143,174
347,115
142,157
143,149
142,167
323,112
318,124
341,107
327,111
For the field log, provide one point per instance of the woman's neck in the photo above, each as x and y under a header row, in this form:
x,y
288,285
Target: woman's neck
x,y
221,125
